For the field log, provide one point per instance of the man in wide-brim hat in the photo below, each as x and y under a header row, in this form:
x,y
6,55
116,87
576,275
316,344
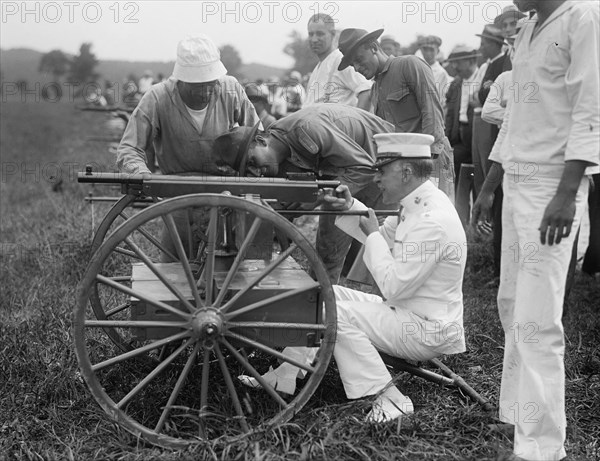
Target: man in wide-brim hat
x,y
404,93
459,110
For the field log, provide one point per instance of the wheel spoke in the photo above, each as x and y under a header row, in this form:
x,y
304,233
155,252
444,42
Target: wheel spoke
x,y
238,260
177,389
172,288
274,299
295,326
270,268
233,394
121,278
210,253
204,390
153,374
152,240
170,223
140,350
125,252
270,351
134,324
117,309
141,296
266,386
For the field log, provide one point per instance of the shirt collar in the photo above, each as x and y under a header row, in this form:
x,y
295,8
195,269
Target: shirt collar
x,y
387,65
563,8
497,57
417,199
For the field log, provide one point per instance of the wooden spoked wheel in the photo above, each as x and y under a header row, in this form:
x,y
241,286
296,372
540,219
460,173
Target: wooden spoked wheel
x,y
192,327
121,211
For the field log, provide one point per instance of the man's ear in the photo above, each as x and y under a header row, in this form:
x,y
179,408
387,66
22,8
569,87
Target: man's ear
x,y
407,171
260,139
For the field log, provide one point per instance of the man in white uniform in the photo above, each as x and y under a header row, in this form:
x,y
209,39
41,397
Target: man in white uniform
x,y
417,259
546,146
327,83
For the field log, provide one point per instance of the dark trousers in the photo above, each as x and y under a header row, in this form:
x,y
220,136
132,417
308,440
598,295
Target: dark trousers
x,y
462,149
591,261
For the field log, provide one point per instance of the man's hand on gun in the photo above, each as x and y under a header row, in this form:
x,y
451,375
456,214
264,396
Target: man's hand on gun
x,y
338,199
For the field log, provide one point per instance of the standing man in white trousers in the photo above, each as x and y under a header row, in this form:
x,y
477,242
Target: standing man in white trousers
x,y
549,141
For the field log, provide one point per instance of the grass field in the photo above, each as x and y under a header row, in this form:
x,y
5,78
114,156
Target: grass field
x,y
47,412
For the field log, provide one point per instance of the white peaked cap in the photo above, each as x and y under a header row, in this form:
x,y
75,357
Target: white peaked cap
x,y
391,146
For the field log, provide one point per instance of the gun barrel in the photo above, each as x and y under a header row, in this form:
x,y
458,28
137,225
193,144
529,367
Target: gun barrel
x,y
174,185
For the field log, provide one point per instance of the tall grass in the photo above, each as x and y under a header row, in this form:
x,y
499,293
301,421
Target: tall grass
x,y
46,411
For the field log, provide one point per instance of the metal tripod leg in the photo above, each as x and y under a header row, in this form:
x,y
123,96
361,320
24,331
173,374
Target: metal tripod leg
x,y
450,379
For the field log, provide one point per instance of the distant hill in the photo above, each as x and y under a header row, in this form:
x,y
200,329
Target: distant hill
x,y
22,64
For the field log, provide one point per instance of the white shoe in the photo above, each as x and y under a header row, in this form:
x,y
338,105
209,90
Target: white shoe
x,y
282,379
390,406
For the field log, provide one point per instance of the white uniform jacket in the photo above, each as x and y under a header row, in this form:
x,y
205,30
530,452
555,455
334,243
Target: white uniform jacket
x,y
418,264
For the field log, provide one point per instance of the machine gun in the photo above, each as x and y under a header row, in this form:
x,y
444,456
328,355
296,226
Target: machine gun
x,y
207,282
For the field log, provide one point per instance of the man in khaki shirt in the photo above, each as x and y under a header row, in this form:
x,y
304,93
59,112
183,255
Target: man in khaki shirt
x,y
404,93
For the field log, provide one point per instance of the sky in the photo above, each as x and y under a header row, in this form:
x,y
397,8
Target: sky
x,y
259,30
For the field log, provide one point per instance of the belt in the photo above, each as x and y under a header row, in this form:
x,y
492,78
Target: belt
x,y
463,123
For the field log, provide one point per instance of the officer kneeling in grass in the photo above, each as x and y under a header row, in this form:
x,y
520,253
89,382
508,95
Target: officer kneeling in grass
x,y
417,260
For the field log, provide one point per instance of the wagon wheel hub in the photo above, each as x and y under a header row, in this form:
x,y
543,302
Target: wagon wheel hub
x,y
207,327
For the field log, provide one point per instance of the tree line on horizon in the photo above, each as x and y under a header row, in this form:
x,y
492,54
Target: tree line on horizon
x,y
81,67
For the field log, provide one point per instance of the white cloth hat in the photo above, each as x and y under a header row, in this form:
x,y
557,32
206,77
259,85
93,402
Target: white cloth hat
x,y
198,60
394,146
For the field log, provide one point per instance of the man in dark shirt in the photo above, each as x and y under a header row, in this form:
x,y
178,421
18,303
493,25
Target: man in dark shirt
x,y
404,93
334,141
484,133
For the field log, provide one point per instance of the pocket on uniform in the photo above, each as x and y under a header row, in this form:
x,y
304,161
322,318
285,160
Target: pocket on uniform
x,y
403,105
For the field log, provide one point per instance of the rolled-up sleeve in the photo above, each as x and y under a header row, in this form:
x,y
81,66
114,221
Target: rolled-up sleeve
x,y
583,88
495,103
495,154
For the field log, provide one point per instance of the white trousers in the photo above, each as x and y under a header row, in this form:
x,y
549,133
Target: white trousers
x,y
530,301
366,325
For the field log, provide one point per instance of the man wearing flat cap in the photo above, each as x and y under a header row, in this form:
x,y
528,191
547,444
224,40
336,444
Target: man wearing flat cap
x,y
430,49
333,141
390,45
507,23
404,93
180,118
417,259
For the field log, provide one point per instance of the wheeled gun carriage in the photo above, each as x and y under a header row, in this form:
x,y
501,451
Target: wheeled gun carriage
x,y
208,281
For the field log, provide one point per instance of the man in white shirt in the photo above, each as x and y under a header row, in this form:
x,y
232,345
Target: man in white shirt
x,y
549,140
327,83
430,49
